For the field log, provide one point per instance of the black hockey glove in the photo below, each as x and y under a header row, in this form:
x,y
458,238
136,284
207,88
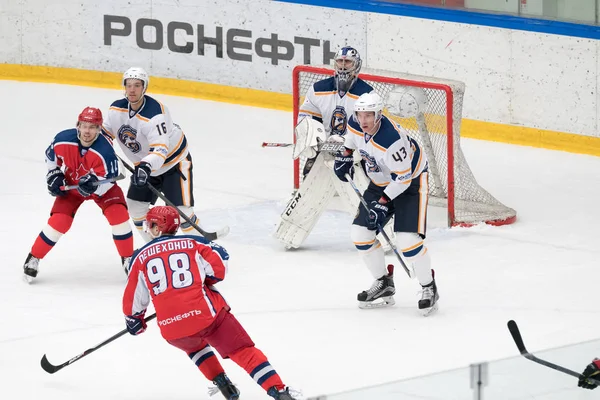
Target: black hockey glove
x,y
87,185
344,164
141,174
591,371
377,214
55,179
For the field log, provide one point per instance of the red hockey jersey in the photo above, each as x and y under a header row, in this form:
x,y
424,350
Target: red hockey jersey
x,y
177,274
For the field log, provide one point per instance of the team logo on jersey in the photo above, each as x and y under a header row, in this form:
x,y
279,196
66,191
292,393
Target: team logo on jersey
x,y
339,121
81,172
370,162
127,135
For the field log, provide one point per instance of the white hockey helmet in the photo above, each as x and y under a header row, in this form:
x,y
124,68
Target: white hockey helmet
x,y
369,102
345,76
137,73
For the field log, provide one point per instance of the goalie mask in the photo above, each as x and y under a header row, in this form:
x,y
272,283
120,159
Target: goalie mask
x,y
347,65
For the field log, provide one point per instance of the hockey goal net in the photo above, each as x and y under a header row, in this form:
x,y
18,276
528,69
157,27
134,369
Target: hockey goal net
x,y
435,125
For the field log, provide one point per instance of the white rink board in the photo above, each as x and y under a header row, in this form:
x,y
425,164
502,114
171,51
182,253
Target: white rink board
x,y
73,34
513,77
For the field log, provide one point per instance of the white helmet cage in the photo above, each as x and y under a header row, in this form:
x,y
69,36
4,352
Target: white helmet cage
x,y
369,102
346,76
137,73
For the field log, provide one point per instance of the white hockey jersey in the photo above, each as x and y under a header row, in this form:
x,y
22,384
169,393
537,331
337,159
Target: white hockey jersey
x,y
148,134
324,104
392,158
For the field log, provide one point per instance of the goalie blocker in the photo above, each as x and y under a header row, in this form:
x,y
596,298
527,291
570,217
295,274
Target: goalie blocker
x,y
319,186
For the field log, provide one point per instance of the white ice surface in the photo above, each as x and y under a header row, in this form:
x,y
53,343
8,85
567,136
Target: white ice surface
x,y
298,306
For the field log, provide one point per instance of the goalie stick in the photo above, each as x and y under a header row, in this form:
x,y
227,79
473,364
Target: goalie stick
x,y
385,235
208,235
100,182
332,147
516,335
50,368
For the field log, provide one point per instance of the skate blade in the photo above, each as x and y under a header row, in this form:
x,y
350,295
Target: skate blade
x,y
28,279
379,303
425,312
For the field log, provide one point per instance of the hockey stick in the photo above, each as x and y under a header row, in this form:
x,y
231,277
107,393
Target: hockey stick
x,y
332,146
385,236
267,144
100,182
50,368
208,235
516,335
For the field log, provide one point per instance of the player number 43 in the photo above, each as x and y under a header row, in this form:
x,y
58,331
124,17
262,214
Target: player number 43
x,y
178,274
161,128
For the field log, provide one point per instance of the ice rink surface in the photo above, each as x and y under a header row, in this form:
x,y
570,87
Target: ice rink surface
x,y
298,306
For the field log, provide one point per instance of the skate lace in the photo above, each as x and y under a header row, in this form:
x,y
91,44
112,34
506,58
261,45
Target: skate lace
x,y
377,285
426,293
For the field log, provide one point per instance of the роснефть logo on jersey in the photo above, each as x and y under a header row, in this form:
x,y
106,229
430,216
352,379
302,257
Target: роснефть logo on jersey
x,y
128,135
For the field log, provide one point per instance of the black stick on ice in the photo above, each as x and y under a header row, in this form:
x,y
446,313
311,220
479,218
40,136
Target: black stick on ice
x,y
516,334
50,368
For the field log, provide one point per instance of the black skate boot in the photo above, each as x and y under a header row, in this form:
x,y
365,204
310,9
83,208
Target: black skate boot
x,y
30,268
429,298
381,292
224,385
284,394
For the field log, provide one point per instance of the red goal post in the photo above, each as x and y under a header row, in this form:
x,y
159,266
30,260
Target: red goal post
x,y
435,125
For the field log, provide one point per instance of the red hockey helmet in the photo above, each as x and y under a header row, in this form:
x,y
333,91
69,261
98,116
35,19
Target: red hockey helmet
x,y
165,218
92,115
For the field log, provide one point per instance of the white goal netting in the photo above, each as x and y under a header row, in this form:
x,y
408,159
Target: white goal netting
x,y
431,110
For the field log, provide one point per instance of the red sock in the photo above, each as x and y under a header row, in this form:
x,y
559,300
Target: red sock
x,y
207,362
58,225
256,364
118,218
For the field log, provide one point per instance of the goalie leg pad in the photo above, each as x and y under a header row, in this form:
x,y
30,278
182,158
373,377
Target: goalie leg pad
x,y
306,206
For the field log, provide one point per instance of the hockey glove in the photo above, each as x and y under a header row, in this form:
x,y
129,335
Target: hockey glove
x,y
377,214
87,185
55,179
141,174
344,164
591,371
135,323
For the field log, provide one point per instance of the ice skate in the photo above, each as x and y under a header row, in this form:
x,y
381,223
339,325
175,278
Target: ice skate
x,y
285,394
125,261
224,385
30,268
429,297
381,292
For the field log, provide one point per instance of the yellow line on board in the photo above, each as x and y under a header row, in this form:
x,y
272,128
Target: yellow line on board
x,y
259,98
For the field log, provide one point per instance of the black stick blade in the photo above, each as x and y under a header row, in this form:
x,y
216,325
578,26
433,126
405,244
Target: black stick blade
x,y
49,368
516,334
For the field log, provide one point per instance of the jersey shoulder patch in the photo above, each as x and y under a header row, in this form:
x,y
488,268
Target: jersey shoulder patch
x,y
121,103
325,85
152,108
68,135
387,134
361,87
